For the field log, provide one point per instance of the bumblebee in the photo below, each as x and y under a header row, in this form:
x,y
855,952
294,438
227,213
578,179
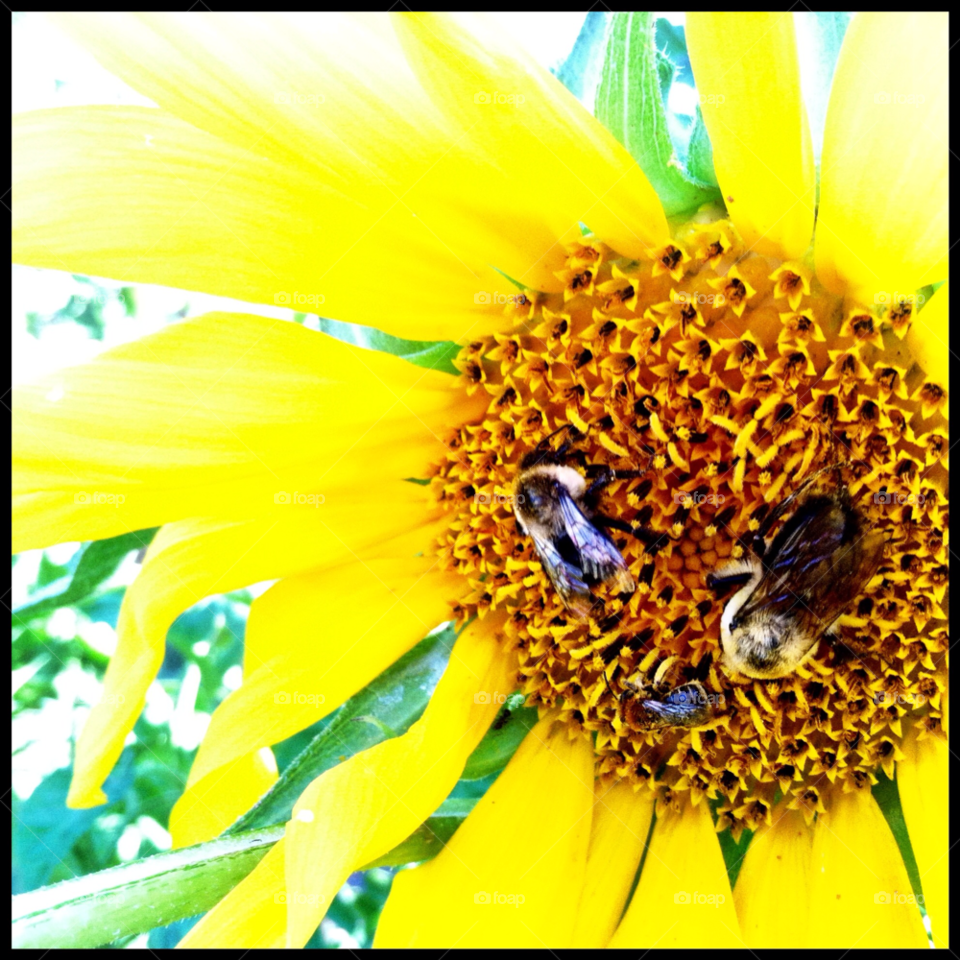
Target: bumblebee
x,y
555,506
794,588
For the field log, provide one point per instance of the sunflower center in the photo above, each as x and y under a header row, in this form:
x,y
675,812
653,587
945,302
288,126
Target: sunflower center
x,y
717,381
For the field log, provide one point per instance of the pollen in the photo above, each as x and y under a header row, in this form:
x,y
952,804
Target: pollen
x,y
722,380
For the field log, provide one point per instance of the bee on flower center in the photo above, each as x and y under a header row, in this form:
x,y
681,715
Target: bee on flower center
x,y
556,506
794,589
653,703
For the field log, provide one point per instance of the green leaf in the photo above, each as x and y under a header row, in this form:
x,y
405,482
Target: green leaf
x,y
887,795
733,850
700,154
434,354
925,293
388,733
506,276
501,741
630,105
155,891
395,700
49,572
428,839
43,831
671,40
580,72
128,297
665,71
438,355
98,562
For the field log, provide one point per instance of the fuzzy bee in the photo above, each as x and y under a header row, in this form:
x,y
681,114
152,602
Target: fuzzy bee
x,y
687,705
794,589
555,506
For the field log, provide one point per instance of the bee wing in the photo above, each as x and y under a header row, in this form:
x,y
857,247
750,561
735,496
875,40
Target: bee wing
x,y
565,577
600,560
684,706
810,570
809,537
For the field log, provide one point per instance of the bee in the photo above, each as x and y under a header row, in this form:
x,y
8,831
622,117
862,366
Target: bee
x,y
794,589
556,507
687,705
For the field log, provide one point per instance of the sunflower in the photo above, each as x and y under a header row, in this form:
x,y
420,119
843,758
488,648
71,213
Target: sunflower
x,y
364,164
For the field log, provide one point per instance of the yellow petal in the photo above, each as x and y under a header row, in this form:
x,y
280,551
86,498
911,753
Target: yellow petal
x,y
137,194
923,783
748,79
362,808
332,94
618,833
253,914
228,415
861,895
778,859
683,898
193,559
266,82
311,643
201,814
520,119
512,875
882,222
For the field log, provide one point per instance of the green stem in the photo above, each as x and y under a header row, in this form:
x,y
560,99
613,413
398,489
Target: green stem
x,y
136,897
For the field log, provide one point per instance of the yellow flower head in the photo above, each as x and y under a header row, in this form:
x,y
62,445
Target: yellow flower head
x,y
703,370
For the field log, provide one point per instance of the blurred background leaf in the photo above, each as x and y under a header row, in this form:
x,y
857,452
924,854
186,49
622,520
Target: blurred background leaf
x,y
646,98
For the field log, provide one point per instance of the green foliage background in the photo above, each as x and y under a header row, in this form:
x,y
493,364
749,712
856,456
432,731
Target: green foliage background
x,y
54,659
